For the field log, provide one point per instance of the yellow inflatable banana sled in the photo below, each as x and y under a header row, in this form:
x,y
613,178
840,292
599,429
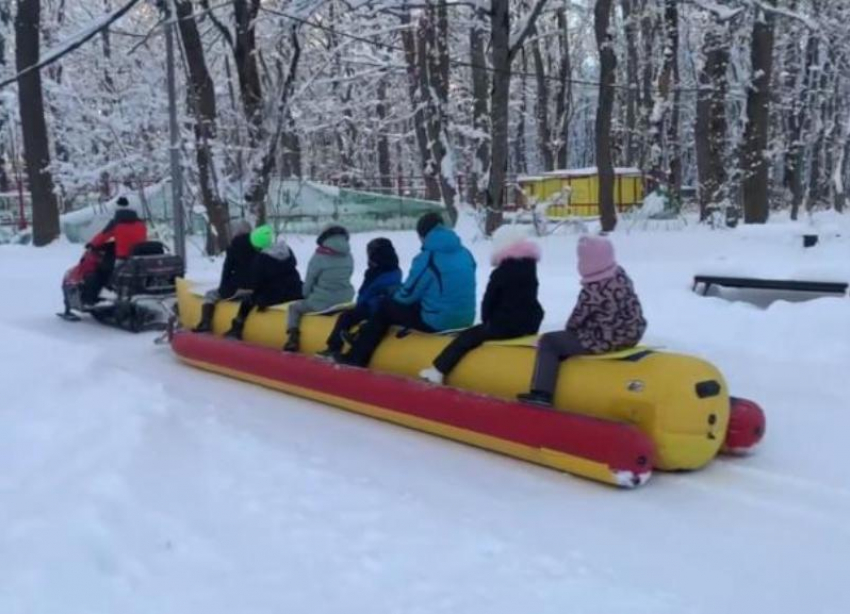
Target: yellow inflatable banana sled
x,y
680,402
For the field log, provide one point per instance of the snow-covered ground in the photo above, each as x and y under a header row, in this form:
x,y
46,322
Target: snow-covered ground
x,y
132,484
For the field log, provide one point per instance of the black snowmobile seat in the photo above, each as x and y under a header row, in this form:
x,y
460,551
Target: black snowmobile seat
x,y
148,248
148,271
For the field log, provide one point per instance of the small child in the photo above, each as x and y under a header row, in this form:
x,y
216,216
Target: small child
x,y
382,278
328,281
274,278
606,318
510,307
235,274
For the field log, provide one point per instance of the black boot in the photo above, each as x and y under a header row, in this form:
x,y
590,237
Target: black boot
x,y
205,325
235,331
536,397
293,341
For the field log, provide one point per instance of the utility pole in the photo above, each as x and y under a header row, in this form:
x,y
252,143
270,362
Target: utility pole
x,y
174,129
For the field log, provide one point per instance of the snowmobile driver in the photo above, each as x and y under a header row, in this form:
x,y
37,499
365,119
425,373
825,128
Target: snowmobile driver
x,y
117,241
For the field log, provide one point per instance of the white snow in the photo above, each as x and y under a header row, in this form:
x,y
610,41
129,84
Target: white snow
x,y
653,204
776,251
134,484
591,170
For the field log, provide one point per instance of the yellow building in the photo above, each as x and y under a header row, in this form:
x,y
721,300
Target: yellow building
x,y
582,185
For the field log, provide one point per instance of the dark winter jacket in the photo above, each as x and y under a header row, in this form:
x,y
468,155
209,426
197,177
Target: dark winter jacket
x,y
274,276
510,307
126,229
382,278
442,281
238,262
376,289
608,316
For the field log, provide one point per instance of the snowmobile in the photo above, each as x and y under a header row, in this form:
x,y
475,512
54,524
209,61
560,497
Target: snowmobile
x,y
139,294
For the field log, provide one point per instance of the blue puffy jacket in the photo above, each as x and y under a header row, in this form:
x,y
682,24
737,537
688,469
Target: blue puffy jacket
x,y
374,290
442,280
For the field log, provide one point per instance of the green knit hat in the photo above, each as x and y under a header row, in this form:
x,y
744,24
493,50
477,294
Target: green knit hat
x,y
262,237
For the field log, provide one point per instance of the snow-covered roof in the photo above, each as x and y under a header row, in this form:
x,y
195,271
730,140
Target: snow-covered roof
x,y
528,178
591,170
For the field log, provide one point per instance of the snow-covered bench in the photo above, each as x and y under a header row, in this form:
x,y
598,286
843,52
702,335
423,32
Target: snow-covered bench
x,y
820,287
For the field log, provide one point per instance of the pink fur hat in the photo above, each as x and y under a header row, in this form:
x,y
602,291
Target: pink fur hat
x,y
513,242
596,259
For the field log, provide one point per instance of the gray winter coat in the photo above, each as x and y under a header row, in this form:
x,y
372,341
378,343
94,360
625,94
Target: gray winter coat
x,y
329,272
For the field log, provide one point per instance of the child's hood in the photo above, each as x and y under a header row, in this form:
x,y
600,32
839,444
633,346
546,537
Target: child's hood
x,y
336,243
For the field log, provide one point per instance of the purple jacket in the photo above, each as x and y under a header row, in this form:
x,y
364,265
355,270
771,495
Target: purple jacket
x,y
608,316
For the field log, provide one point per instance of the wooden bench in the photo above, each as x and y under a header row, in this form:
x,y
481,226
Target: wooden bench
x,y
819,287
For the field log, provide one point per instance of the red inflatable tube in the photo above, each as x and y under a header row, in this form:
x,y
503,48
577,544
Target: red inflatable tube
x,y
746,426
602,450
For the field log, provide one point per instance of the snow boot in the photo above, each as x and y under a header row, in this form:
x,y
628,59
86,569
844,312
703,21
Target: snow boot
x,y
536,397
235,331
205,325
329,354
293,341
433,375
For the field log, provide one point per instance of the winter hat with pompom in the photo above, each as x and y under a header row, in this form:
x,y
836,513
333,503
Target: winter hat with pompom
x,y
511,242
596,260
262,237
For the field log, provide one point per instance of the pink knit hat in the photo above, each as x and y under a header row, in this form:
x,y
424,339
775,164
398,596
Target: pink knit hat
x,y
595,259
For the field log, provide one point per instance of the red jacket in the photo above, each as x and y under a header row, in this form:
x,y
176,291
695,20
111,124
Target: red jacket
x,y
127,229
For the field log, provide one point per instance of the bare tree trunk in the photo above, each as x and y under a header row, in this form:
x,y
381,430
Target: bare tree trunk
x,y
564,102
753,162
648,28
796,150
710,129
384,163
480,107
414,51
257,193
203,106
500,32
5,20
45,211
437,58
817,182
292,145
503,51
544,131
520,155
604,113
245,54
839,176
631,127
663,140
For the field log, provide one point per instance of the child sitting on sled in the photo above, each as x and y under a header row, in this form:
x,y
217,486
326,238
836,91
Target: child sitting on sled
x,y
607,318
510,307
382,278
235,274
327,284
438,294
274,278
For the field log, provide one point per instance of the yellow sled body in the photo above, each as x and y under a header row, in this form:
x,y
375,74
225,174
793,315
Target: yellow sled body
x,y
681,402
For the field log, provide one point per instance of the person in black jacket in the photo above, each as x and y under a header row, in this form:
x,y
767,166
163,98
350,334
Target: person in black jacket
x,y
274,280
235,274
510,307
